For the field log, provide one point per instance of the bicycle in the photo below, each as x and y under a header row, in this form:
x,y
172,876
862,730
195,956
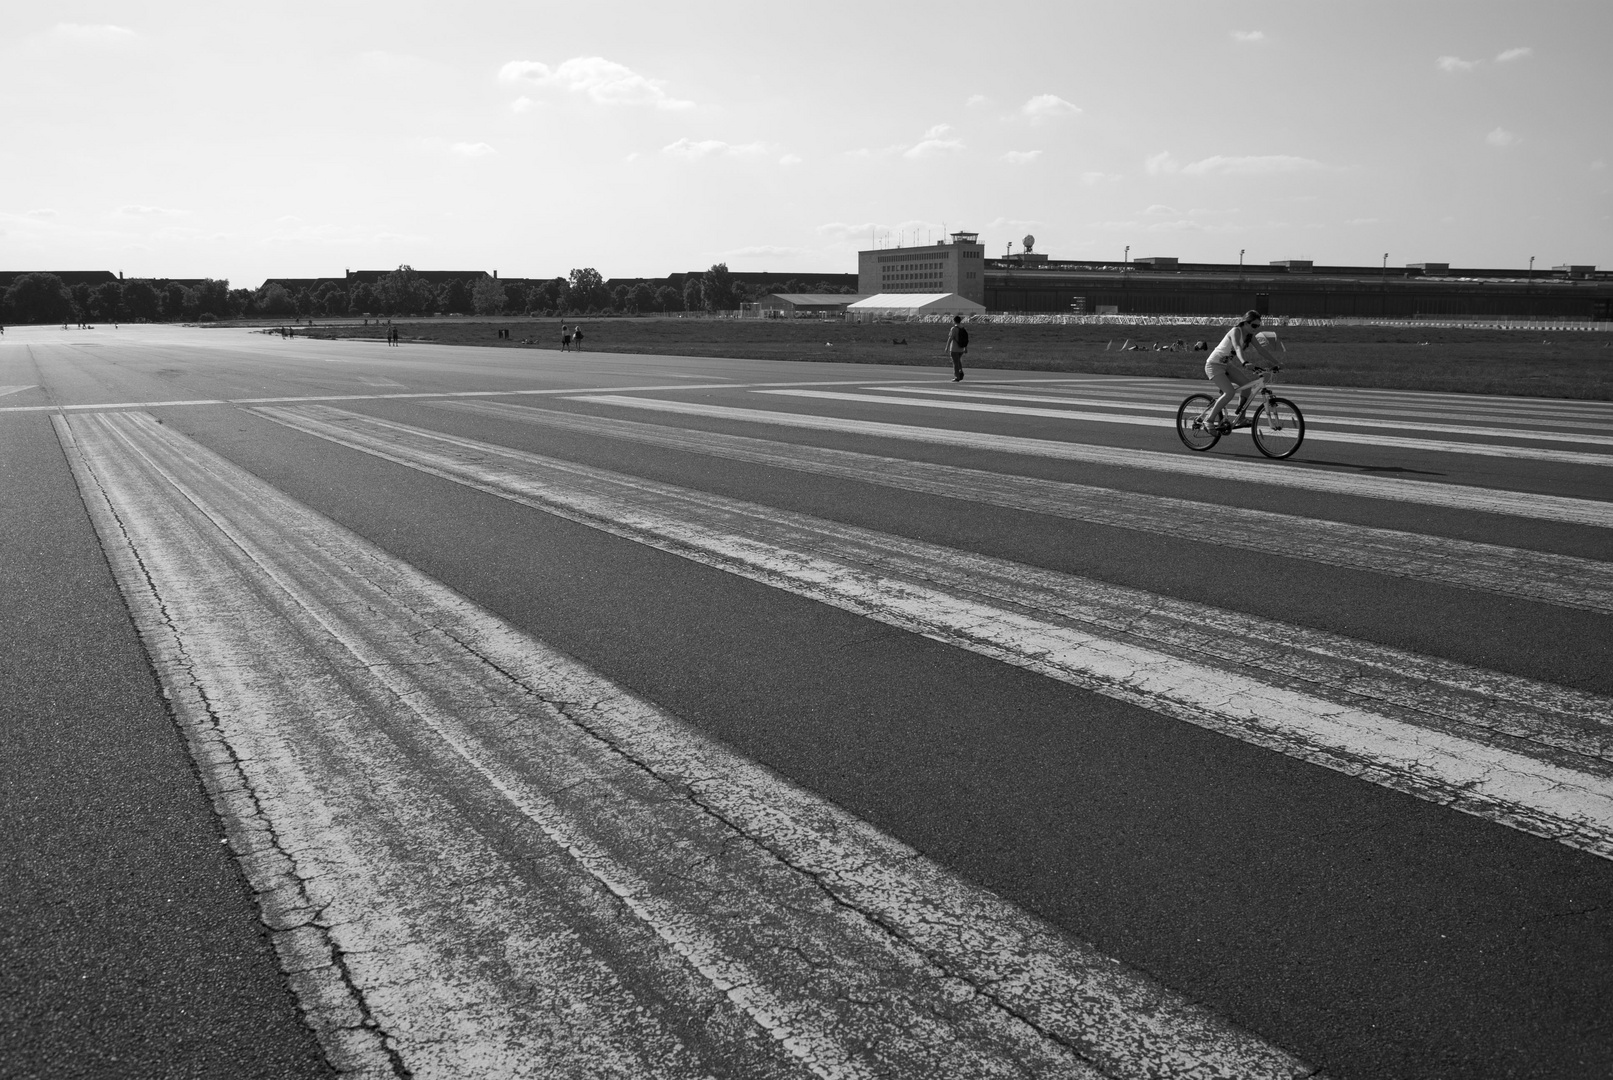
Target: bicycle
x,y
1276,425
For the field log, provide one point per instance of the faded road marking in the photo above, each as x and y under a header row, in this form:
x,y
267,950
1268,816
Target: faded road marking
x,y
1526,754
1506,571
1296,475
482,859
1565,457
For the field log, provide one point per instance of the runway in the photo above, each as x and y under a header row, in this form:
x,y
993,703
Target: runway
x,y
564,714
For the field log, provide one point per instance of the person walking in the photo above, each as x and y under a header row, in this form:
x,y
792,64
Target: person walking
x,y
565,338
576,336
957,345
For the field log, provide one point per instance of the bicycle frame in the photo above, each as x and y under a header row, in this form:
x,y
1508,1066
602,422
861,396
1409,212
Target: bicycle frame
x,y
1253,394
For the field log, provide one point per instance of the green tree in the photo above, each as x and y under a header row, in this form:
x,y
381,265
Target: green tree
x,y
422,297
38,298
717,289
140,300
515,297
644,298
273,300
455,297
363,300
106,302
395,292
552,296
81,299
241,302
213,297
587,290
668,299
693,294
488,296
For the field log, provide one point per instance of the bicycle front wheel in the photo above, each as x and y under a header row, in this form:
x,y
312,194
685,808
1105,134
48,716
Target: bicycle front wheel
x,y
1278,428
1190,423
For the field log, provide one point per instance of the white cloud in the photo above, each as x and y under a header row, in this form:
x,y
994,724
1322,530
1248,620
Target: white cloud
x,y
974,99
1047,106
471,149
935,141
634,156
1501,137
764,251
1452,64
1161,162
90,34
522,104
689,148
1363,221
1598,165
841,232
790,159
1094,178
1514,54
1250,36
381,62
136,211
1021,157
603,81
1250,166
1012,223
47,213
1158,208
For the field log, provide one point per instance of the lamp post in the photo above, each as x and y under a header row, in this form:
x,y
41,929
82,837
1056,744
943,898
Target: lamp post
x,y
1531,268
1240,257
1127,259
1386,264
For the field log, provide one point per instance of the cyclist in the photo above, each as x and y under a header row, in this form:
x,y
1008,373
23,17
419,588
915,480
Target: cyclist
x,y
1226,367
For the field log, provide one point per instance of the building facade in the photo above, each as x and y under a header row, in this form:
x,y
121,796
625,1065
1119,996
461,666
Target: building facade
x,y
956,265
1163,286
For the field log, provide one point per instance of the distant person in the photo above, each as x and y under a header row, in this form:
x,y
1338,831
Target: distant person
x,y
565,338
576,337
957,345
1226,368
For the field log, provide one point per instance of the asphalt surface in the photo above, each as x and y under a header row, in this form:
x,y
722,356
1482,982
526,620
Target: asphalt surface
x,y
1372,933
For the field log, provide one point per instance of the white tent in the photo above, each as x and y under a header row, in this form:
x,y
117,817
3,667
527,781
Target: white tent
x,y
916,304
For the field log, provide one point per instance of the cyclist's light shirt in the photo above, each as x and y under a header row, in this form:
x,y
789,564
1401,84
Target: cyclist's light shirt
x,y
1230,346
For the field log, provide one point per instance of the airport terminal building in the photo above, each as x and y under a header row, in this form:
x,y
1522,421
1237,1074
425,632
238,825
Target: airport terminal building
x,y
1031,282
956,265
1163,286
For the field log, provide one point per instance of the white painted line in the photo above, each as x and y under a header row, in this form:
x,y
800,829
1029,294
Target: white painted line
x,y
1505,571
8,390
485,858
296,398
1527,452
1413,723
1451,496
1310,418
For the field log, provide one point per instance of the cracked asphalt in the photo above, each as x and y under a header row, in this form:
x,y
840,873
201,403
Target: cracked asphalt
x,y
1371,933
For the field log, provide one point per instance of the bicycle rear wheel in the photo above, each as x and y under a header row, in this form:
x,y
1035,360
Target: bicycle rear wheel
x,y
1278,428
1189,426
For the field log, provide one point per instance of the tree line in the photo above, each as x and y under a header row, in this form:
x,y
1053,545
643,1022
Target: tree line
x,y
44,298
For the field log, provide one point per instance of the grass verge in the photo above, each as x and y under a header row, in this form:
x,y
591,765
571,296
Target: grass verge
x,y
1532,363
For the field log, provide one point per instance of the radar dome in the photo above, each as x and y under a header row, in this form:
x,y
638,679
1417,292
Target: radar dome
x,y
1030,242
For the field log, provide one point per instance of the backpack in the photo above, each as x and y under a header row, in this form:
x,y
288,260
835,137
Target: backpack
x,y
963,338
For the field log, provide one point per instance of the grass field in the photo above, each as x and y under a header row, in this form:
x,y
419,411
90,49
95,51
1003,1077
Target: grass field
x,y
1536,363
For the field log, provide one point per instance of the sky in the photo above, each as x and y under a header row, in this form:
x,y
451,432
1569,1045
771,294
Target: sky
x,y
296,139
